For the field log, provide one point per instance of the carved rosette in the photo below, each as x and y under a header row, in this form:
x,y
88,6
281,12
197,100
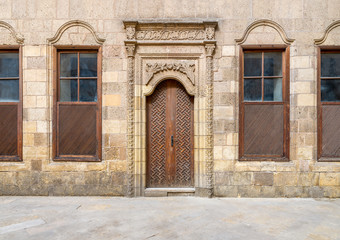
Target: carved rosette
x,y
130,48
187,69
209,117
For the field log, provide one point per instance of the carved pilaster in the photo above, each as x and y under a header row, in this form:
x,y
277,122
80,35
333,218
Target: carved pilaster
x,y
209,117
130,48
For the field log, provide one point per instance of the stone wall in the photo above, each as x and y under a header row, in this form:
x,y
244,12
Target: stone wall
x,y
100,23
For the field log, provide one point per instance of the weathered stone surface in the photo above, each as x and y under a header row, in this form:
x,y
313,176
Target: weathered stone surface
x,y
263,178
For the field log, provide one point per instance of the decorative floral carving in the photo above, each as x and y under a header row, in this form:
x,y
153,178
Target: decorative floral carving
x,y
130,33
187,69
171,35
210,33
209,117
130,48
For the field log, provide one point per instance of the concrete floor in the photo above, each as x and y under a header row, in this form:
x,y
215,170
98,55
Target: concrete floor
x,y
193,218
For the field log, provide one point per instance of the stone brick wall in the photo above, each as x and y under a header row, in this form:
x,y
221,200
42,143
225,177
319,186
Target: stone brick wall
x,y
38,21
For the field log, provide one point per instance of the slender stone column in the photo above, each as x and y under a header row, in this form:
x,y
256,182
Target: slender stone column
x,y
130,48
209,117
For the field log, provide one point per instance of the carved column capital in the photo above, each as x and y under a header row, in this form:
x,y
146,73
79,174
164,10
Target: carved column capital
x,y
130,27
209,49
130,49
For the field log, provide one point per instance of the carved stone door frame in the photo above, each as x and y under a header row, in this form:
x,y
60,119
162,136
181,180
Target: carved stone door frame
x,y
182,51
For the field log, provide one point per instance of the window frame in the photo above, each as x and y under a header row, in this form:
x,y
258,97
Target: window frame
x,y
320,49
18,157
285,49
56,92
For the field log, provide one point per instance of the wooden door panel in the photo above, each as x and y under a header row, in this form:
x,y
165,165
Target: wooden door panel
x,y
156,136
184,138
170,136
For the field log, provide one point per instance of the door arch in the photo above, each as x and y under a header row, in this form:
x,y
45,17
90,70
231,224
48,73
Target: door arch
x,y
170,136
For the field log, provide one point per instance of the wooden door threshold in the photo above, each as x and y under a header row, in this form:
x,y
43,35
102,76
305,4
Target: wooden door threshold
x,y
169,192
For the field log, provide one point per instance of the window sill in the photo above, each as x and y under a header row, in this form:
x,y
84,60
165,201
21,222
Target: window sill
x,y
268,159
74,158
10,159
329,159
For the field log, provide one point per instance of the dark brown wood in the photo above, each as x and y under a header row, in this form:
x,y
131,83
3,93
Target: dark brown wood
x,y
248,150
14,146
170,136
263,130
77,130
89,147
328,140
8,130
330,131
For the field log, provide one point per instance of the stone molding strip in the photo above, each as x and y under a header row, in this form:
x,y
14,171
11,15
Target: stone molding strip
x,y
269,23
18,38
75,23
321,40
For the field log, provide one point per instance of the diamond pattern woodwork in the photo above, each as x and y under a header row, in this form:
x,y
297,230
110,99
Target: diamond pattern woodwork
x,y
170,115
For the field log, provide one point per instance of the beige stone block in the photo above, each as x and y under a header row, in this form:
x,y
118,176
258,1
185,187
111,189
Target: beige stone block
x,y
42,126
41,101
306,74
223,112
302,87
247,166
111,126
36,88
30,101
28,140
32,51
232,139
300,62
29,126
333,9
112,100
228,51
229,152
285,179
96,166
118,166
37,114
306,100
110,77
40,139
223,166
329,179
304,153
218,150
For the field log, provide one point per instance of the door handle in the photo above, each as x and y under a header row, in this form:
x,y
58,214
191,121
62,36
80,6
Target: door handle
x,y
172,140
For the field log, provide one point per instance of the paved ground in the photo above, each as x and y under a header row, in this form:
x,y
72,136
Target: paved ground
x,y
167,218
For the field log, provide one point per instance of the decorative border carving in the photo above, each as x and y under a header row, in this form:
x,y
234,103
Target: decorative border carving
x,y
187,69
75,23
180,77
209,117
269,23
166,31
18,38
321,40
130,48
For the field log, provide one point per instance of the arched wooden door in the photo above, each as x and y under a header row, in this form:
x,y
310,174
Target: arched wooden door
x,y
170,133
